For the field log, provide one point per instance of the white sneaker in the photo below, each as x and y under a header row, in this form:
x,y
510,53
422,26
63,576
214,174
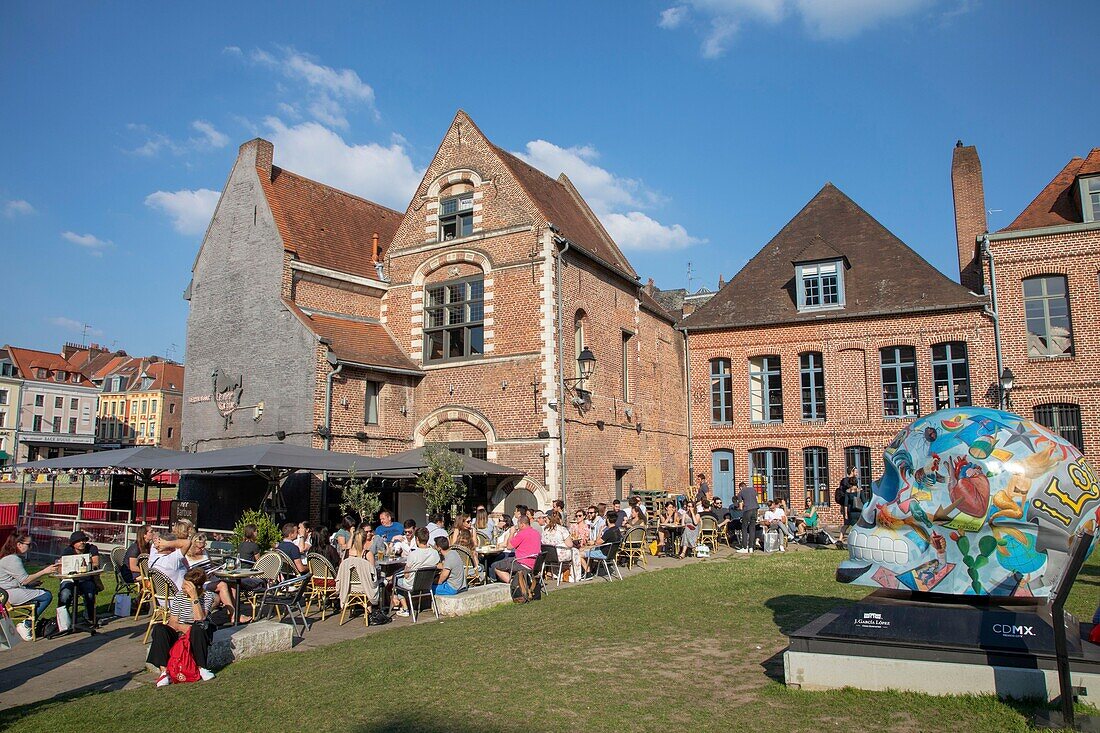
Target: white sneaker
x,y
24,630
782,548
164,680
402,613
744,551
205,674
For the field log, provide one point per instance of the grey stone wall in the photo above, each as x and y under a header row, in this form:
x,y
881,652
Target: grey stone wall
x,y
238,323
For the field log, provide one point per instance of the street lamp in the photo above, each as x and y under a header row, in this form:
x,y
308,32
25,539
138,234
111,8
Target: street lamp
x,y
587,362
1008,379
586,365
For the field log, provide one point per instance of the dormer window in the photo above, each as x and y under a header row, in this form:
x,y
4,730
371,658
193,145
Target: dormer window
x,y
456,217
820,285
1090,198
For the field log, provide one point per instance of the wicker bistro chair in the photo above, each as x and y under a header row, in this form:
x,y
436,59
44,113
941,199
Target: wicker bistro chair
x,y
357,596
270,566
422,582
118,561
633,548
20,613
708,533
289,570
287,596
144,585
470,565
322,582
163,590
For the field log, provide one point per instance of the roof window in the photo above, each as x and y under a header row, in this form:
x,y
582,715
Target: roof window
x,y
820,285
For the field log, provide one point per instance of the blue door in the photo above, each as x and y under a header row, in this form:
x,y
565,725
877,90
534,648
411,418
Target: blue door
x,y
721,467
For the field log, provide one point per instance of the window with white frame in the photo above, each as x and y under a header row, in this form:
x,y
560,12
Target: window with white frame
x,y
812,371
899,382
950,375
454,314
456,216
370,402
820,285
626,365
765,389
721,392
1046,309
1090,198
3,396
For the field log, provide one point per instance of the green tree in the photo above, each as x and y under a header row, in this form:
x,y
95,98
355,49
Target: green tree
x,y
358,500
267,533
442,492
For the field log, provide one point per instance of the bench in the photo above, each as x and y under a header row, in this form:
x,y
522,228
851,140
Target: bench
x,y
473,600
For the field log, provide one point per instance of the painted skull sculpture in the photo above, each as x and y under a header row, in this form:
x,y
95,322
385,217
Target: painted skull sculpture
x,y
973,501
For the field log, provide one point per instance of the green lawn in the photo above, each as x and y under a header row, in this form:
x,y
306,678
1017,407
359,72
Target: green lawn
x,y
689,649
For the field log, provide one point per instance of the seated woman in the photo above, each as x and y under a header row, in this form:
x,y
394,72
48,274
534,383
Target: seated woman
x,y
636,518
319,543
140,546
186,609
506,529
196,557
669,517
361,542
462,522
484,525
341,538
86,587
579,529
558,535
20,585
691,521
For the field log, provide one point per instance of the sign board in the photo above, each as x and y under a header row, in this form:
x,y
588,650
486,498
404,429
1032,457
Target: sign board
x,y
188,510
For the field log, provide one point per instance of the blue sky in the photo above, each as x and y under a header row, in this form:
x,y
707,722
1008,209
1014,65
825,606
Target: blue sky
x,y
696,129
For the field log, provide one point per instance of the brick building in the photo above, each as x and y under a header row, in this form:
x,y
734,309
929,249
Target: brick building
x,y
364,330
58,406
1044,273
818,351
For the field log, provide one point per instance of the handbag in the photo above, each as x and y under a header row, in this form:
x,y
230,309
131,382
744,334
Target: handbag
x,y
181,664
122,605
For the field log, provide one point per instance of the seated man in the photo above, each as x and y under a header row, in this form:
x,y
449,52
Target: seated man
x,y
541,522
608,536
290,548
527,544
452,571
734,526
86,587
775,520
385,532
422,555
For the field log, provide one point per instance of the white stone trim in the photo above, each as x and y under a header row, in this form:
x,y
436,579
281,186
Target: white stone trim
x,y
337,275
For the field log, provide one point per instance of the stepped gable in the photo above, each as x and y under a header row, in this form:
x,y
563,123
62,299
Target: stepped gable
x,y
882,275
325,226
356,340
1057,204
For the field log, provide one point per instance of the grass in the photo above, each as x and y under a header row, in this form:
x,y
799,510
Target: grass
x,y
693,648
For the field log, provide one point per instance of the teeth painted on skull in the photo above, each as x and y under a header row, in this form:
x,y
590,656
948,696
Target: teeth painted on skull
x,y
973,501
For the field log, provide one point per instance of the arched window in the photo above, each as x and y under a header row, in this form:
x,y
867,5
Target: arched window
x,y
579,321
1062,419
859,457
454,316
765,389
815,460
721,392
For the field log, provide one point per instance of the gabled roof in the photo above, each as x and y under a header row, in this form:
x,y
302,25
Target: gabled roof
x,y
167,376
563,207
356,340
29,361
327,227
106,369
1057,204
885,277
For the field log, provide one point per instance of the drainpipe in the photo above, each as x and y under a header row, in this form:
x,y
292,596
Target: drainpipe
x,y
561,366
687,404
988,252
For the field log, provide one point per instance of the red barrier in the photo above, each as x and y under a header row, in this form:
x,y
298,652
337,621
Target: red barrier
x,y
9,515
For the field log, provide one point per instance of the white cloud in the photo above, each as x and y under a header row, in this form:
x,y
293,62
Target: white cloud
x,y
190,211
328,90
93,244
232,51
823,19
18,207
615,200
673,17
637,231
71,324
381,173
211,137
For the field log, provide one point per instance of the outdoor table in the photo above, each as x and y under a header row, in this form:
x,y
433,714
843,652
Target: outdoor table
x,y
672,534
235,577
74,624
387,569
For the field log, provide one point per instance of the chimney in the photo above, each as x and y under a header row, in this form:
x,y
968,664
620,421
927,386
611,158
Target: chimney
x,y
970,223
257,152
649,286
375,254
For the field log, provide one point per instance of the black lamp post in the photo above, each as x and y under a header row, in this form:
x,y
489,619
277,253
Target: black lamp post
x,y
586,365
1008,379
587,362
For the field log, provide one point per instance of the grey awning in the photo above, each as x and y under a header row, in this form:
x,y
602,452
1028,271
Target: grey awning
x,y
283,456
470,466
138,458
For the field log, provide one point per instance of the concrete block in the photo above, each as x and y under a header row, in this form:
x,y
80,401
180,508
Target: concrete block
x,y
250,640
473,600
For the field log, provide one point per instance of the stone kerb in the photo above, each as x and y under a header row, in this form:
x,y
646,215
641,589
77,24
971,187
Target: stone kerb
x,y
232,644
473,600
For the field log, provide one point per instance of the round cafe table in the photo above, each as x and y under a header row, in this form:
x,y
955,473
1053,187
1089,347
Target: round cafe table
x,y
74,624
672,536
235,577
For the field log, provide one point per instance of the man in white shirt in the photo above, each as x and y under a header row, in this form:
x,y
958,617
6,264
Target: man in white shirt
x,y
435,528
776,519
541,521
423,555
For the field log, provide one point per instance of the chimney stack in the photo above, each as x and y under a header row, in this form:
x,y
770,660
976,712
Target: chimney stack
x,y
375,254
258,152
970,222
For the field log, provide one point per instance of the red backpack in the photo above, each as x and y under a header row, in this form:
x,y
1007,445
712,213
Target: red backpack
x,y
181,665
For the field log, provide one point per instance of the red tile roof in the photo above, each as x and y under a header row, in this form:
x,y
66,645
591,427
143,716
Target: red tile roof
x,y
356,340
327,227
29,361
563,207
166,377
1058,204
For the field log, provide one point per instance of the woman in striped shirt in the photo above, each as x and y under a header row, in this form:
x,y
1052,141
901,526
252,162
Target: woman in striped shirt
x,y
188,607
